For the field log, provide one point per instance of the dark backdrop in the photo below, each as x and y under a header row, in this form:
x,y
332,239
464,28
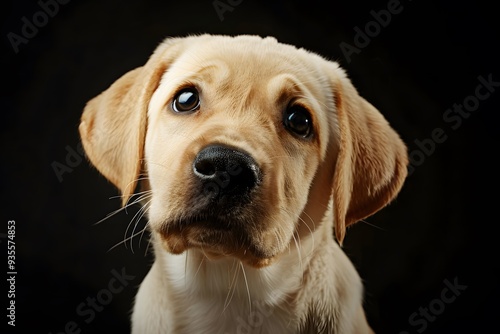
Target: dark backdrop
x,y
429,57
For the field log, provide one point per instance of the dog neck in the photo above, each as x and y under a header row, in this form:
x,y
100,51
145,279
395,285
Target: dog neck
x,y
197,274
228,289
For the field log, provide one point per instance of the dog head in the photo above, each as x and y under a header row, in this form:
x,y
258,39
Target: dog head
x,y
246,145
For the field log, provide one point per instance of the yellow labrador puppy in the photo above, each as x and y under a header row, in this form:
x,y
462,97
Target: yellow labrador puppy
x,y
252,155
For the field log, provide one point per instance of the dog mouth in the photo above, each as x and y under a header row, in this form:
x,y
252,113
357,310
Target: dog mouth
x,y
216,236
214,223
196,231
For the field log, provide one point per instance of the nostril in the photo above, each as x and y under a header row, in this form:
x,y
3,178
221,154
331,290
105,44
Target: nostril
x,y
204,167
225,172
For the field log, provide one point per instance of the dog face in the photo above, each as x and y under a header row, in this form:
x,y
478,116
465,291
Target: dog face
x,y
247,144
232,146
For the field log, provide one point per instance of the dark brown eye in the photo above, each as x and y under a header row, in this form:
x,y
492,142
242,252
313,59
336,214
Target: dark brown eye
x,y
186,100
298,120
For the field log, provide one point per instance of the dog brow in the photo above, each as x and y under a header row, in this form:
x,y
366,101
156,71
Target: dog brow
x,y
284,87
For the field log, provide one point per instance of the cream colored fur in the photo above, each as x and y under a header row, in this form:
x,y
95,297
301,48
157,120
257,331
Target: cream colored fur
x,y
287,274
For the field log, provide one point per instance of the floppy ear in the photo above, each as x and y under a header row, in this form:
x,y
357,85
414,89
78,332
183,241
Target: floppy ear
x,y
372,160
113,124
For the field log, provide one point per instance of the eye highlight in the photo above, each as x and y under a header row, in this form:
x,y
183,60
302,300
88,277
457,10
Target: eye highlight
x,y
297,120
186,100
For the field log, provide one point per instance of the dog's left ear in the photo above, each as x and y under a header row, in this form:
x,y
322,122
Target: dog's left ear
x,y
113,124
371,165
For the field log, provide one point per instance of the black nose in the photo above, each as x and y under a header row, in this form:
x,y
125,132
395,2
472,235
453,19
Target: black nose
x,y
225,172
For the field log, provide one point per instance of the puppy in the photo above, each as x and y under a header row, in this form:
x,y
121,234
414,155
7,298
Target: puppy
x,y
252,155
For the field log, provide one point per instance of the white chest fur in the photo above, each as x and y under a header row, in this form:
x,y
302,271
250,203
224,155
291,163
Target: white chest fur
x,y
189,293
226,296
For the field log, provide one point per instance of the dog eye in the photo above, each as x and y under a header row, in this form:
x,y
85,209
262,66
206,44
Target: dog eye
x,y
298,120
186,100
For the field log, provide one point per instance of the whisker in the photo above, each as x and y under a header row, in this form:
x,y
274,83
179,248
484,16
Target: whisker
x,y
310,218
298,254
197,269
372,225
149,243
140,178
311,232
312,236
147,224
124,241
139,199
246,284
142,211
232,287
136,218
134,194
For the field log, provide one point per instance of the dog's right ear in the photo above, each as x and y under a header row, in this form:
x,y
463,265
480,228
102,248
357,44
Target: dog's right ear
x,y
113,124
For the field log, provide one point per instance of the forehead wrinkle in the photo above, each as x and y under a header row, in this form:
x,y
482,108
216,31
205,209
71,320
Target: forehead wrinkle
x,y
237,83
191,68
213,72
283,87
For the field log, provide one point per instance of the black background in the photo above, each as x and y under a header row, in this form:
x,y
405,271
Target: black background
x,y
442,227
